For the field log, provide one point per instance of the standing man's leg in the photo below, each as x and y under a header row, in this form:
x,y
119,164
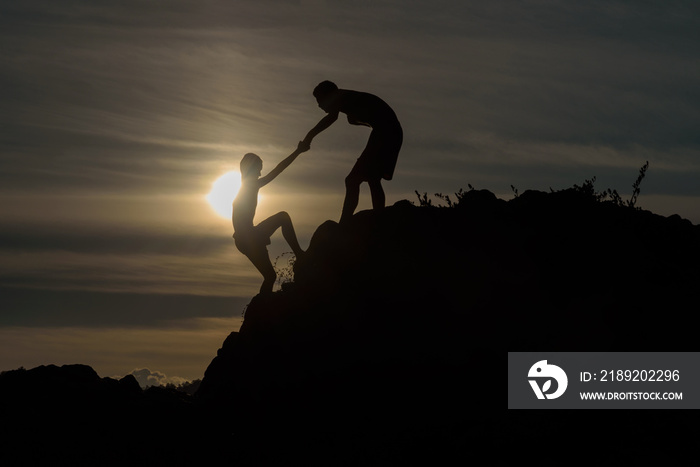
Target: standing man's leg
x,y
378,197
261,260
366,168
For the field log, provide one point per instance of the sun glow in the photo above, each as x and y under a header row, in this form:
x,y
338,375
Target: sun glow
x,y
222,193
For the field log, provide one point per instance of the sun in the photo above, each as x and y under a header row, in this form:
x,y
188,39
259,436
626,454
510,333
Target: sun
x,y
222,193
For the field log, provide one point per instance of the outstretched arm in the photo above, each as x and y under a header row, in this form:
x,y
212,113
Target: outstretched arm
x,y
325,122
301,147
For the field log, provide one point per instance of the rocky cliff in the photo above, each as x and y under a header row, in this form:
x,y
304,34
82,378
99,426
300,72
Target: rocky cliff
x,y
396,325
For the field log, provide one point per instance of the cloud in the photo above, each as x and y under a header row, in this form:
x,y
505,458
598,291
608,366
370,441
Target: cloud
x,y
107,259
146,377
164,96
33,307
96,241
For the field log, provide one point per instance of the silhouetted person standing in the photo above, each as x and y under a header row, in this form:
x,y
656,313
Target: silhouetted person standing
x,y
252,240
378,159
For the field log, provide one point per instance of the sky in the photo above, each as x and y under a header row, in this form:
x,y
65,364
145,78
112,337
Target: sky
x,y
118,117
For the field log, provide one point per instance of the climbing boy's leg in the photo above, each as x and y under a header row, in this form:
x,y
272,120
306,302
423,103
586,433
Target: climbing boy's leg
x,y
281,219
261,260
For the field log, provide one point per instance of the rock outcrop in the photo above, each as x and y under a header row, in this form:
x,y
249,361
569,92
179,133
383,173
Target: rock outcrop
x,y
396,325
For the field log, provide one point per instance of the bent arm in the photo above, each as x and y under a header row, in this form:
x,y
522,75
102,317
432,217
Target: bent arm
x,y
324,123
302,147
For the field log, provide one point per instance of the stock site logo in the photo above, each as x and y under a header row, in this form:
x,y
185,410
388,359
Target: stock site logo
x,y
544,373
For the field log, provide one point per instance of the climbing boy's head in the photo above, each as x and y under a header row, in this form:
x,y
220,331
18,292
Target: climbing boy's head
x,y
323,93
251,165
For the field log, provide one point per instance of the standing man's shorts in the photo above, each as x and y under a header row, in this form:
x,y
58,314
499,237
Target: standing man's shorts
x,y
378,160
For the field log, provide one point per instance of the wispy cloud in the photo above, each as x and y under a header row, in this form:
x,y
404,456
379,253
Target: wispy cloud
x,y
154,92
95,241
224,275
37,308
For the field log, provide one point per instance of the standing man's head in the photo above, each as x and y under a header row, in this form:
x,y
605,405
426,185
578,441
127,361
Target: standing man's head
x,y
324,93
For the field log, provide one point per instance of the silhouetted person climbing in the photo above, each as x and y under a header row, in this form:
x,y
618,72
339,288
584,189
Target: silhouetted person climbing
x,y
252,240
378,159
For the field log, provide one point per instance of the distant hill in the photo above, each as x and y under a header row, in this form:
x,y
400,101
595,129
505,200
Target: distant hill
x,y
389,345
